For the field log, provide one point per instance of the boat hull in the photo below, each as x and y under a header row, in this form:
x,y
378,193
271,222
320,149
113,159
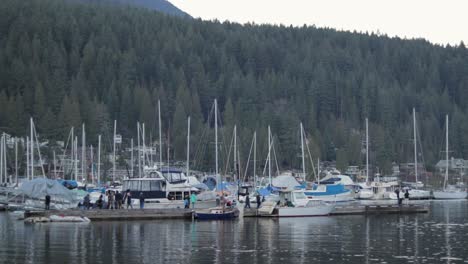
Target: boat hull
x,y
449,195
342,197
320,210
226,215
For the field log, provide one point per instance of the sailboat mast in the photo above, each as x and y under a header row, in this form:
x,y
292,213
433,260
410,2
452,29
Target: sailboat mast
x,y
415,148
32,148
99,161
255,160
75,157
218,178
55,166
188,147
27,158
302,149
113,157
131,157
144,145
446,151
367,150
83,152
139,153
269,155
16,161
235,153
92,164
1,159
160,137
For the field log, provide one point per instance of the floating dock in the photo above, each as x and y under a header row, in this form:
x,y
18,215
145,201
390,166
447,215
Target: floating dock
x,y
155,214
121,214
357,209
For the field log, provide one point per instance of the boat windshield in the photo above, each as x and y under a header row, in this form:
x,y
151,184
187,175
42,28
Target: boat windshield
x,y
299,195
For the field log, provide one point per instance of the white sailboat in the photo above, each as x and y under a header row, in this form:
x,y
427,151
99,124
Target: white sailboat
x,y
375,190
415,193
448,192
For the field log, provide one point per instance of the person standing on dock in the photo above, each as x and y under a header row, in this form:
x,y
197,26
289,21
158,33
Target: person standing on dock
x,y
407,196
397,192
111,200
186,201
47,202
259,201
128,196
193,199
247,200
86,202
118,200
142,200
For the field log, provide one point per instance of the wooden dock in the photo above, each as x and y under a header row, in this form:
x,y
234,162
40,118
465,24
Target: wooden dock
x,y
355,209
121,214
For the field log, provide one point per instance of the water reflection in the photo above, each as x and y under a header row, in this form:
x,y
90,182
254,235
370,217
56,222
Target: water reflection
x,y
439,236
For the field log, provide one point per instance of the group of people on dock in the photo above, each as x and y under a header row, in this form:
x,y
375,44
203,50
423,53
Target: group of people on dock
x,y
111,200
400,200
192,199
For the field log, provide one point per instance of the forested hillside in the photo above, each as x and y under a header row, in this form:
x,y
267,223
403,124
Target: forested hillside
x,y
163,6
66,63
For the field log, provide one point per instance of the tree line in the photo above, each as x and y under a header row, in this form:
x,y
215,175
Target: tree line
x,y
66,63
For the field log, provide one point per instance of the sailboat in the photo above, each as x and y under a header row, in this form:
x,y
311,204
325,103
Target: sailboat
x,y
448,192
219,212
327,189
414,192
375,190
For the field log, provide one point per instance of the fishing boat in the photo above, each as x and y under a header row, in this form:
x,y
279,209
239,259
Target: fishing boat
x,y
448,192
217,213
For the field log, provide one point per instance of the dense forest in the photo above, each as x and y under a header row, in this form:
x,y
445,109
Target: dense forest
x,y
66,63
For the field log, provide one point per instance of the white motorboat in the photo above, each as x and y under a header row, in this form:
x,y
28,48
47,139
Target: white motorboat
x,y
296,203
166,189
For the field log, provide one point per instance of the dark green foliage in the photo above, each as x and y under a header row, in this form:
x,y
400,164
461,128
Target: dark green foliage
x,y
65,63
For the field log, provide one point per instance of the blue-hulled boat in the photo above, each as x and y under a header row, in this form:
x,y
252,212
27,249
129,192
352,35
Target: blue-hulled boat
x,y
330,193
217,213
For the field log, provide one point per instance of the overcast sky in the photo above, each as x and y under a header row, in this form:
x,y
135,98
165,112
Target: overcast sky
x,y
439,21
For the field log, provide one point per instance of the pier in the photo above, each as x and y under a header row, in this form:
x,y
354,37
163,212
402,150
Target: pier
x,y
357,209
121,214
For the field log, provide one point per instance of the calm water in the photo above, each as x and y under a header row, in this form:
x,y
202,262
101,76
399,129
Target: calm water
x,y
438,237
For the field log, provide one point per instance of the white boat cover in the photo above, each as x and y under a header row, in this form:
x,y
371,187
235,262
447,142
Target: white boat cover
x,y
40,187
285,182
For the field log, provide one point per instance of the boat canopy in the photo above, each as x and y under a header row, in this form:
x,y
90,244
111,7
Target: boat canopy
x,y
40,187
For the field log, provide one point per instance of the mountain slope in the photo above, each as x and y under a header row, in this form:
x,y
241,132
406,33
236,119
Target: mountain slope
x,y
65,64
163,6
